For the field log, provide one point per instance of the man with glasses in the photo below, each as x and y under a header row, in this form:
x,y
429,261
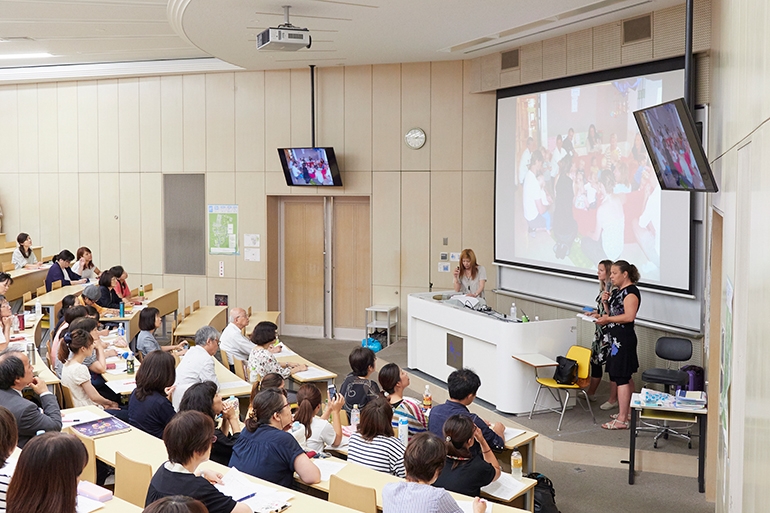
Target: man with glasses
x,y
197,365
233,341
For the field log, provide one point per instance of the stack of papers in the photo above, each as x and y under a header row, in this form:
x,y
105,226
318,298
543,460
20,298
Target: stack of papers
x,y
227,385
693,399
261,499
586,317
467,506
328,468
312,373
79,417
505,488
86,505
511,433
122,386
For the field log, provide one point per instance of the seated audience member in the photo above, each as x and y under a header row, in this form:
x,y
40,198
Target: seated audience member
x,y
265,450
464,472
149,321
262,360
6,321
394,381
149,407
233,341
46,475
8,440
5,283
424,458
357,387
374,445
203,397
16,373
176,504
317,431
67,302
97,362
272,380
70,315
122,288
188,443
84,265
197,365
91,294
75,375
463,385
23,256
60,271
108,298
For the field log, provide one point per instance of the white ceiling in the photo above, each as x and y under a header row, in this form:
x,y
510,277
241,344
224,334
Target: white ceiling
x,y
344,32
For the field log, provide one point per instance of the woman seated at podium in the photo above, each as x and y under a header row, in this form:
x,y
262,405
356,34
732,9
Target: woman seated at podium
x,y
600,347
623,305
394,381
466,472
470,277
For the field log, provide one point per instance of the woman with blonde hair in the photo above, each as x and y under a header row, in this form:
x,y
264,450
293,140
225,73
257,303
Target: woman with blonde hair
x,y
470,277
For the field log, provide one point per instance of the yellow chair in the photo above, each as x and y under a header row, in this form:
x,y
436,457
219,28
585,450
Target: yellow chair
x,y
196,305
89,472
240,368
186,311
8,266
132,479
26,297
248,312
48,258
359,498
56,285
66,396
41,290
11,244
148,287
582,355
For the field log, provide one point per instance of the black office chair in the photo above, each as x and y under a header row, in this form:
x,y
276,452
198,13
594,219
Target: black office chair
x,y
671,349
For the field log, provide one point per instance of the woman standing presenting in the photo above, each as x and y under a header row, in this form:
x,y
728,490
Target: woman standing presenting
x,y
623,305
600,348
470,277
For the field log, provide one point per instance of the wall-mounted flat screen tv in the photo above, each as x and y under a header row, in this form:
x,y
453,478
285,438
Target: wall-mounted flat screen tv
x,y
310,166
671,137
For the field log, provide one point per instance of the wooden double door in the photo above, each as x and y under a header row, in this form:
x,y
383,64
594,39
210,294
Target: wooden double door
x,y
325,282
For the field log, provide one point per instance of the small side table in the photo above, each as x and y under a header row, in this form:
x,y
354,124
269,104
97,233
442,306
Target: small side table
x,y
382,317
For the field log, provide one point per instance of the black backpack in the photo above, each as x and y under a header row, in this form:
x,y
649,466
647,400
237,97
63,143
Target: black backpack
x,y
545,495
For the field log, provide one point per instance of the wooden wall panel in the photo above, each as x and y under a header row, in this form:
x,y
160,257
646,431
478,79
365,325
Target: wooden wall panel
x,y
250,197
299,107
28,128
278,130
10,199
415,112
67,104
220,122
250,121
87,122
446,221
331,110
252,293
108,126
49,212
30,214
304,267
149,125
48,128
415,230
130,222
151,208
352,262
128,124
386,229
220,189
358,119
109,219
446,115
172,124
479,112
194,123
85,212
69,212
386,117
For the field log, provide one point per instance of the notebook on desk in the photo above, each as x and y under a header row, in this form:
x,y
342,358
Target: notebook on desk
x,y
102,427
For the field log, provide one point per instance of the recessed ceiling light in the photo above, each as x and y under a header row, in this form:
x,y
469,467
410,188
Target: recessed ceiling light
x,y
37,55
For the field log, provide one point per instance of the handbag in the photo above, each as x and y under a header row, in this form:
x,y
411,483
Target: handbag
x,y
566,372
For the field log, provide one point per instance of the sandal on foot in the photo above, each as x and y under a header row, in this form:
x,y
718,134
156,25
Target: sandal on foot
x,y
608,406
615,425
615,416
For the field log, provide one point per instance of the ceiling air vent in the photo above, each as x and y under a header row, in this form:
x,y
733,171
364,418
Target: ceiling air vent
x,y
637,29
510,60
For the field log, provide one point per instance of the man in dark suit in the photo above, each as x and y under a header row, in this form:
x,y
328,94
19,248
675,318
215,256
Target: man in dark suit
x,y
16,373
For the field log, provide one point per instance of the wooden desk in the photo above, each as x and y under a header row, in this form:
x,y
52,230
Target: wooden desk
x,y
326,376
49,300
25,280
6,254
257,317
672,414
364,476
214,316
525,444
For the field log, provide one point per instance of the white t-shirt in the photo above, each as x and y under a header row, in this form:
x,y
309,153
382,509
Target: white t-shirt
x,y
85,273
322,434
530,196
73,375
526,157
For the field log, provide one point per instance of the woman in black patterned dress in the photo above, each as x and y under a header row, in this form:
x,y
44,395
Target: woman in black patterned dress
x,y
623,362
600,347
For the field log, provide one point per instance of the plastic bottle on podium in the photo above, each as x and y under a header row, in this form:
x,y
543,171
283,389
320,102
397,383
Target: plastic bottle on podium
x,y
427,399
513,312
516,464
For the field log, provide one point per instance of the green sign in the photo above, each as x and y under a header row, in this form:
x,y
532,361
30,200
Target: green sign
x,y
223,229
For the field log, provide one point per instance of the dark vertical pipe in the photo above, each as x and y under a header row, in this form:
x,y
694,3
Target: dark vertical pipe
x,y
689,64
312,105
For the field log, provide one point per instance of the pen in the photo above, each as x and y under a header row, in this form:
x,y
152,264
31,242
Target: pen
x,y
249,496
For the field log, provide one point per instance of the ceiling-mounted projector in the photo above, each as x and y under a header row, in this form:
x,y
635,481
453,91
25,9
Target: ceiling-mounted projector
x,y
285,37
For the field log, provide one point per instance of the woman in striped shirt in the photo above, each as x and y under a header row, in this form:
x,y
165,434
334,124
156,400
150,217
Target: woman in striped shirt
x,y
374,445
394,381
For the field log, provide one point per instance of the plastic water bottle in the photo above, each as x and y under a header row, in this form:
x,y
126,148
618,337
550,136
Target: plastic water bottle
x,y
31,352
130,368
38,309
122,309
355,415
537,318
427,398
141,292
121,330
513,311
516,464
233,401
403,430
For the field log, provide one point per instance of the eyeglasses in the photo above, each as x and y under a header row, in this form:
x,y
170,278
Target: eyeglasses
x,y
280,410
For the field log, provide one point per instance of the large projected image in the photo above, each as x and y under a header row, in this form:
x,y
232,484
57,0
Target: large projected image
x,y
575,185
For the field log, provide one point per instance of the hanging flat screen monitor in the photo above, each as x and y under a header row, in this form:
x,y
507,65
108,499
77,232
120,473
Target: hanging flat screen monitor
x,y
671,137
310,166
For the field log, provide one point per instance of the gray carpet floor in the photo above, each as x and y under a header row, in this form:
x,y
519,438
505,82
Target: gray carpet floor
x,y
579,488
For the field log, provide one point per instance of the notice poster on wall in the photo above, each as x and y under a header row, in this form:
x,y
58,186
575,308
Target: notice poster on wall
x,y
223,229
